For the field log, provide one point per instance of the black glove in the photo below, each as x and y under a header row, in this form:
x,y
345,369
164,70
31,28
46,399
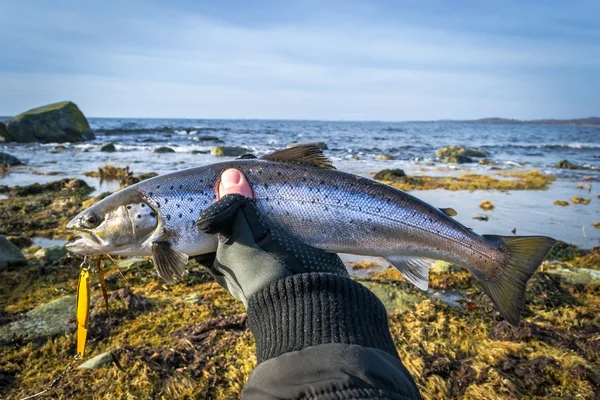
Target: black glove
x,y
250,255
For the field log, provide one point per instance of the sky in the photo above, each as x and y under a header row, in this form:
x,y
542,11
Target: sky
x,y
388,60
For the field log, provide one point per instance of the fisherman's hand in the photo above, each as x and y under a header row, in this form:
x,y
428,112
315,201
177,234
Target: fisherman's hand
x,y
250,255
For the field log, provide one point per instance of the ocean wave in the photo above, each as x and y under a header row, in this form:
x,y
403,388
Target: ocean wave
x,y
181,130
551,146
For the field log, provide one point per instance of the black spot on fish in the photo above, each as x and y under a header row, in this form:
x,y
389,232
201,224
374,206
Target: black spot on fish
x,y
278,173
322,182
150,194
143,205
326,209
190,199
139,216
303,179
177,205
166,201
191,211
129,207
266,185
158,186
136,227
152,214
201,180
157,204
180,186
168,217
172,187
180,215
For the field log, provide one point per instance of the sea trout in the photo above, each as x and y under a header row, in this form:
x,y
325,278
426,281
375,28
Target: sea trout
x,y
298,191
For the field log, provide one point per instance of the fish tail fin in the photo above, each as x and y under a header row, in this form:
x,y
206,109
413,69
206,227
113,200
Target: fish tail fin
x,y
526,253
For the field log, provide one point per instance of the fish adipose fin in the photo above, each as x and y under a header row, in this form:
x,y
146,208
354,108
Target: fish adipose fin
x,y
415,269
451,212
167,261
309,154
526,255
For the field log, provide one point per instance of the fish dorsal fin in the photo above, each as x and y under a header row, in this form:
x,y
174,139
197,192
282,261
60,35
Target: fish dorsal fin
x,y
305,154
167,261
451,212
415,269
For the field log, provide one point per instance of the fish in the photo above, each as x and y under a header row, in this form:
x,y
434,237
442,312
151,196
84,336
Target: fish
x,y
300,192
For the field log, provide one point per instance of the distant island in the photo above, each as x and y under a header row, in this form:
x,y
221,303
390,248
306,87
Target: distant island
x,y
592,121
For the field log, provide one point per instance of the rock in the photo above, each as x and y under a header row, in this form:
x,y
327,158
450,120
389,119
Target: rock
x,y
321,145
565,164
442,267
107,148
452,151
389,174
458,159
596,225
576,276
481,217
486,162
96,362
10,255
3,131
228,151
51,254
486,205
48,320
562,203
200,152
384,156
59,122
9,161
163,149
208,139
580,200
20,241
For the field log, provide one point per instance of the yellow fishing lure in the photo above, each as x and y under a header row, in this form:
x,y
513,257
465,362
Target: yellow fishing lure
x,y
82,310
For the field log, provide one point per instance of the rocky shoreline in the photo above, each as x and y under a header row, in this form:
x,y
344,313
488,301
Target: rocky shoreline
x,y
190,339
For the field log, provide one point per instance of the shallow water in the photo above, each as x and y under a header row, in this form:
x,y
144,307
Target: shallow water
x,y
413,144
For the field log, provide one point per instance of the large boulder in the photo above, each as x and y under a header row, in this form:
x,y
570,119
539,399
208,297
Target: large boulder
x,y
3,132
8,161
45,321
59,122
459,153
10,255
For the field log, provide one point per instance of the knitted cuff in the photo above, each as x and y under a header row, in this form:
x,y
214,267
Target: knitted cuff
x,y
311,309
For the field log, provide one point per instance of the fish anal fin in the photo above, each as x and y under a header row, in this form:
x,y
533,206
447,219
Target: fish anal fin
x,y
451,212
309,154
168,262
415,269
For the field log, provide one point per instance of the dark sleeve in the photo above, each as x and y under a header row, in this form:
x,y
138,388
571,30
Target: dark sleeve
x,y
321,336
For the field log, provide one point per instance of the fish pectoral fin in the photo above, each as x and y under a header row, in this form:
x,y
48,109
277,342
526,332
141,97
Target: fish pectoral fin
x,y
167,261
309,154
451,212
415,269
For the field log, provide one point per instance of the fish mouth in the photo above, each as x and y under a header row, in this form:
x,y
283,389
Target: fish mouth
x,y
86,243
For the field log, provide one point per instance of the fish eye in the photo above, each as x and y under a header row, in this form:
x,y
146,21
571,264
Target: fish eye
x,y
90,221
